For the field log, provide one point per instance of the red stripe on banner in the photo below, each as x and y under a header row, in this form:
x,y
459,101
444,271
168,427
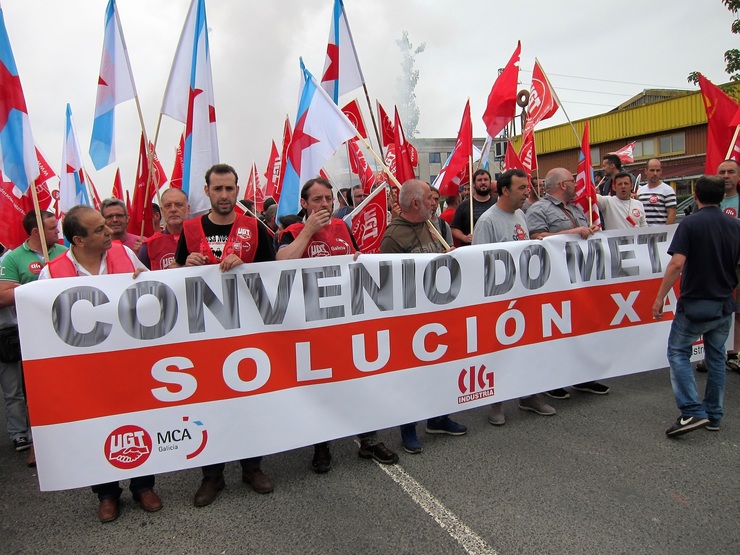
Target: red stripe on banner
x,y
85,386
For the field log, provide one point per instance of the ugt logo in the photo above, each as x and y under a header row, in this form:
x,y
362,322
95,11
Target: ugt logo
x,y
474,384
128,447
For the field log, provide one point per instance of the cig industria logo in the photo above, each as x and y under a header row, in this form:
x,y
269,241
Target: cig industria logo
x,y
474,383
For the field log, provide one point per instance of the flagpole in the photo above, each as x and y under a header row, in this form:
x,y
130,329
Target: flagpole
x,y
470,186
567,117
39,222
372,115
392,177
732,143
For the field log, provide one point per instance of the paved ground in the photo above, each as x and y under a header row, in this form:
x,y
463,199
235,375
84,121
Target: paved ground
x,y
598,478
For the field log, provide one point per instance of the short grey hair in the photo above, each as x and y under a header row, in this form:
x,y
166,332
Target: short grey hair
x,y
555,176
411,190
113,202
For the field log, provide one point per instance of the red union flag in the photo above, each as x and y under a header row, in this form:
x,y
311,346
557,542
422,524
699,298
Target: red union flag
x,y
512,161
542,100
358,164
386,126
272,173
585,188
458,161
721,110
369,221
625,153
501,106
527,153
352,111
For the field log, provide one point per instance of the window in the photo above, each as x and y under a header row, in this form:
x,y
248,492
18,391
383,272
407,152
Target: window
x,y
432,178
665,146
672,144
434,158
595,158
499,149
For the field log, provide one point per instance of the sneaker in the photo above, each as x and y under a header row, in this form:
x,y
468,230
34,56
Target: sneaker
x,y
558,394
379,452
445,425
410,441
712,426
592,387
701,367
536,403
733,363
686,425
496,415
321,462
22,443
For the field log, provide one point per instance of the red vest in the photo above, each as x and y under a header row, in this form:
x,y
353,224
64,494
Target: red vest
x,y
161,248
331,240
242,240
116,260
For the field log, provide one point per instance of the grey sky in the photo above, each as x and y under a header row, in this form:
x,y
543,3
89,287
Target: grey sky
x,y
255,48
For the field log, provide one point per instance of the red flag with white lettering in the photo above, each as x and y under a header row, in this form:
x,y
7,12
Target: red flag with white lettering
x,y
459,159
585,188
253,191
369,221
287,136
512,161
358,164
404,167
386,126
176,180
117,185
352,111
272,173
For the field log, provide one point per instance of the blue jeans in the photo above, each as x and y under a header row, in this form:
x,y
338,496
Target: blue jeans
x,y
683,334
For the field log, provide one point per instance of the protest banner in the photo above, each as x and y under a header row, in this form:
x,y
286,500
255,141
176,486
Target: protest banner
x,y
182,368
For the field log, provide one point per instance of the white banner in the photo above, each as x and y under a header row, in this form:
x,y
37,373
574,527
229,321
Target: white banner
x,y
188,367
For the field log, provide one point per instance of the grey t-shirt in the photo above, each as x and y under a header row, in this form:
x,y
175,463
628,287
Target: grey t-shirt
x,y
497,226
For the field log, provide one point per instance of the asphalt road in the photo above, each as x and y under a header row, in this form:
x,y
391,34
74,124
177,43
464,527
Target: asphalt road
x,y
600,477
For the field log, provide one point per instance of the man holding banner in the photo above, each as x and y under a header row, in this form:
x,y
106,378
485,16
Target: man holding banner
x,y
410,233
321,235
223,237
93,252
555,214
19,266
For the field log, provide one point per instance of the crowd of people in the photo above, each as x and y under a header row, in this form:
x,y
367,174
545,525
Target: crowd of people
x,y
512,208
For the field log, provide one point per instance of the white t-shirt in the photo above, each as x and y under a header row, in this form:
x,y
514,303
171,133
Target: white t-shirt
x,y
621,214
656,201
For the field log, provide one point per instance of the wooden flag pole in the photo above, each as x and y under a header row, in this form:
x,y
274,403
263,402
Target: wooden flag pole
x,y
392,177
372,117
732,143
39,222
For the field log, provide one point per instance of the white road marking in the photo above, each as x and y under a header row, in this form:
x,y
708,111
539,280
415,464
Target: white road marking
x,y
471,542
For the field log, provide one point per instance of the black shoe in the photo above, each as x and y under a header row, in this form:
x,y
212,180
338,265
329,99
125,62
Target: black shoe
x,y
558,394
592,387
22,443
379,452
208,491
701,367
686,425
321,462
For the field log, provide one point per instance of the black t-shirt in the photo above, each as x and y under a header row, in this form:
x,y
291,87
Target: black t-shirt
x,y
710,241
461,219
217,235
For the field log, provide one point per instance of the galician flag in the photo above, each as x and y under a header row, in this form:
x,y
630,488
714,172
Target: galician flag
x,y
320,130
342,73
72,187
18,161
115,85
189,98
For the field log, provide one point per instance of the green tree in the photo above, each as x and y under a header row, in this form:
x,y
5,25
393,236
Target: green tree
x,y
732,56
406,85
